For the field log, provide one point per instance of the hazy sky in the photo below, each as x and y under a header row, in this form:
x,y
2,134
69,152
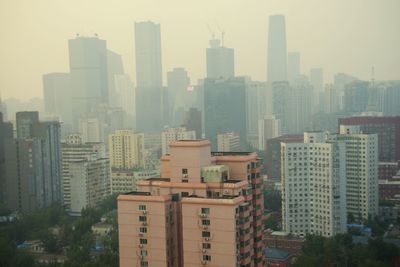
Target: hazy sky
x,y
339,35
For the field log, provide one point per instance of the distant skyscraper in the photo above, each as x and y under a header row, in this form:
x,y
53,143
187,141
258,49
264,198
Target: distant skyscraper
x,y
220,60
317,79
114,67
89,75
6,136
225,108
283,105
277,53
125,93
293,66
391,100
148,76
177,86
193,122
355,100
57,96
3,108
256,109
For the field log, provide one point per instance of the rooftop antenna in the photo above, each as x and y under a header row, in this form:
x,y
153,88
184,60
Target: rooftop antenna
x,y
222,34
211,31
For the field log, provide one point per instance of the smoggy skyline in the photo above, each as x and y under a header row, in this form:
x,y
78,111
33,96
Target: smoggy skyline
x,y
339,36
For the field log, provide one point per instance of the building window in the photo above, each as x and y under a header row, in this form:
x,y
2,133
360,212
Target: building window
x,y
143,253
206,257
205,222
144,264
143,229
142,207
205,210
184,171
185,194
205,234
142,218
206,246
143,241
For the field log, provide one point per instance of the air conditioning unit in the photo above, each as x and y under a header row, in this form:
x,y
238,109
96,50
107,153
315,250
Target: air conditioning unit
x,y
144,211
141,257
203,262
203,215
144,223
205,227
207,239
141,245
185,176
204,251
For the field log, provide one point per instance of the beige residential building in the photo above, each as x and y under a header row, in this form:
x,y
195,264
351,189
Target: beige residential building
x,y
228,142
126,149
205,210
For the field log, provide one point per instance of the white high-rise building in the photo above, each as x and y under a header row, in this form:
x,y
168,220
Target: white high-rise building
x,y
126,149
314,186
362,171
228,142
175,134
269,127
85,173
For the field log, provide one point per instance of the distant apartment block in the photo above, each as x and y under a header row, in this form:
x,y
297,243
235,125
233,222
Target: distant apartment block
x,y
125,181
228,142
175,134
126,149
85,172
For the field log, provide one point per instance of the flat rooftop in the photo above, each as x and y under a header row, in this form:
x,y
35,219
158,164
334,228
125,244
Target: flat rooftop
x,y
231,153
232,181
137,193
158,179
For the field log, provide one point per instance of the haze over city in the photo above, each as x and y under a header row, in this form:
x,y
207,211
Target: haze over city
x,y
199,133
339,36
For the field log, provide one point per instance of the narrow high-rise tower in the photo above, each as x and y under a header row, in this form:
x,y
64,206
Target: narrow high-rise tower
x,y
148,76
277,53
88,73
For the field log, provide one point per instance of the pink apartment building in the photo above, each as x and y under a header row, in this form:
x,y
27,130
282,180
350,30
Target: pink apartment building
x,y
206,210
